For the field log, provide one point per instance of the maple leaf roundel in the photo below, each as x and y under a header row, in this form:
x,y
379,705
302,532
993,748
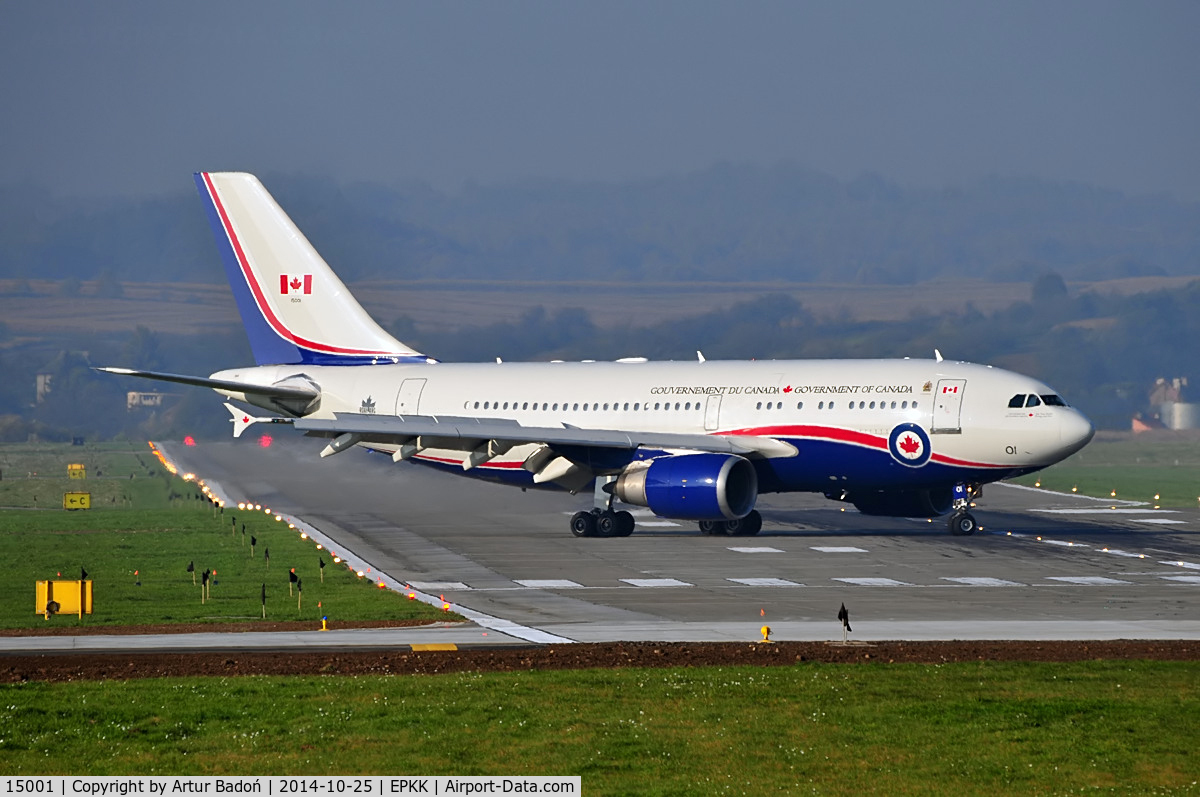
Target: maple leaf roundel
x,y
909,445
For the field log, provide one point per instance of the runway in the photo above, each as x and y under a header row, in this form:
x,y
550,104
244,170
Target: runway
x,y
1044,566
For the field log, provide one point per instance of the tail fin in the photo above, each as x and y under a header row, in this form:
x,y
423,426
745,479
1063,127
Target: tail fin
x,y
293,306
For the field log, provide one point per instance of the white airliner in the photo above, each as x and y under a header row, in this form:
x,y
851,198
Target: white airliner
x,y
696,440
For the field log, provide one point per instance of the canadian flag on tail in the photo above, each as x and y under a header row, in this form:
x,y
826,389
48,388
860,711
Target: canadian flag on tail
x,y
292,283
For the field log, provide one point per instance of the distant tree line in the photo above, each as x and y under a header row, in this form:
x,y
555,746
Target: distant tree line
x,y
729,222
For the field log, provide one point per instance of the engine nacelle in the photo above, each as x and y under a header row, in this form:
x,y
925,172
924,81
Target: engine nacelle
x,y
691,486
933,502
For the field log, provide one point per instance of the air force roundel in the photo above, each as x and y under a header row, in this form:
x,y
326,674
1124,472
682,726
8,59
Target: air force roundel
x,y
909,445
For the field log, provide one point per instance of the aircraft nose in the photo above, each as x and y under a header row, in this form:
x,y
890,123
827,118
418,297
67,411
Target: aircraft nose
x,y
1074,431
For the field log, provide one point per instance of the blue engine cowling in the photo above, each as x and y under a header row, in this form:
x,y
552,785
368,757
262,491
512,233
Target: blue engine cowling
x,y
692,486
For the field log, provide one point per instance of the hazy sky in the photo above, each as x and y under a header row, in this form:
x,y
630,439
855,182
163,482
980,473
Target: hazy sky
x,y
131,97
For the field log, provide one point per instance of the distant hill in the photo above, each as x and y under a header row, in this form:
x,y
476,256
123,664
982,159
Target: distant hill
x,y
728,223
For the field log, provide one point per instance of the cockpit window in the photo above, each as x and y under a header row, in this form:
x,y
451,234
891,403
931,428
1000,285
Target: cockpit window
x,y
1017,401
1033,401
1052,400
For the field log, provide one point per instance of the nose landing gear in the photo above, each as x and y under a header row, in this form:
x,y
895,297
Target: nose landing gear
x,y
962,522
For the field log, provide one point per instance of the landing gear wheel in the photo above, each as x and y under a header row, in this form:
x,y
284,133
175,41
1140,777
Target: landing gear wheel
x,y
748,526
607,524
709,527
962,524
583,524
624,523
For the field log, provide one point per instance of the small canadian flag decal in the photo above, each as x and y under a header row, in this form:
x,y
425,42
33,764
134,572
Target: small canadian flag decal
x,y
945,388
292,283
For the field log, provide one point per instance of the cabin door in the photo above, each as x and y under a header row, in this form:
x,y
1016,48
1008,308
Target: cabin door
x,y
408,400
947,406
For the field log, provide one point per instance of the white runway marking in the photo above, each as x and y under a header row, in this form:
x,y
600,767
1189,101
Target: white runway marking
x,y
1087,580
1162,521
983,582
438,586
1183,579
1066,544
1185,565
837,549
874,582
656,582
549,583
654,523
1126,554
765,582
755,550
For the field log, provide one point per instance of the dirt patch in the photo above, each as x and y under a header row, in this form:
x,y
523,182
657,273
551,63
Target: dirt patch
x,y
122,666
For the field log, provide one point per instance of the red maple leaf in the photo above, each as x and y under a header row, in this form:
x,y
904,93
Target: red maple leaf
x,y
245,419
296,283
909,446
787,389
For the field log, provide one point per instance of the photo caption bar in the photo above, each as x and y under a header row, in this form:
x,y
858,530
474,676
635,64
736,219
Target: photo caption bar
x,y
389,786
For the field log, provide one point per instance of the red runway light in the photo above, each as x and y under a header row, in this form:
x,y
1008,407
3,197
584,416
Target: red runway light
x,y
189,440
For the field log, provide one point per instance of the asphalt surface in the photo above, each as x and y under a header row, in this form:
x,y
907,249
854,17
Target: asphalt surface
x,y
1045,566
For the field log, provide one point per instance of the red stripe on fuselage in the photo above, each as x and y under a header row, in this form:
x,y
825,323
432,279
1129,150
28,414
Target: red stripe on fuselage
x,y
260,299
850,436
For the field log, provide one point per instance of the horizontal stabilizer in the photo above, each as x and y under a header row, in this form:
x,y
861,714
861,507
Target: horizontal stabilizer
x,y
275,391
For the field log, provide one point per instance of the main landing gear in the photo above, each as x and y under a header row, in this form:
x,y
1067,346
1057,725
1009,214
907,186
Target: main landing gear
x,y
962,522
747,526
602,523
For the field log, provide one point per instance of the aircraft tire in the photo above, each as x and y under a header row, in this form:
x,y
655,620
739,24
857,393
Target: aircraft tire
x,y
962,524
624,523
583,524
709,527
607,524
750,525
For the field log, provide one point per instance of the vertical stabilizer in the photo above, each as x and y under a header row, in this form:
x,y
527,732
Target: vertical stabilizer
x,y
295,309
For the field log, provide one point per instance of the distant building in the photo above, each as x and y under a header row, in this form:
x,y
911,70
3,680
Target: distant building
x,y
1168,406
135,400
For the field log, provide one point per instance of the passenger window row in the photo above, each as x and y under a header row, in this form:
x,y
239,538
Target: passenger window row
x,y
686,406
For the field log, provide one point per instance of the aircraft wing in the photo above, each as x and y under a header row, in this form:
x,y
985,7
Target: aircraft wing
x,y
465,433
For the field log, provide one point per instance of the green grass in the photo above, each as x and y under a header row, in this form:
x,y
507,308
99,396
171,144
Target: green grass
x,y
1137,468
118,475
138,557
909,729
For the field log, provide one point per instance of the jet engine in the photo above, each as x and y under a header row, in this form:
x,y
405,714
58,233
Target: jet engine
x,y
691,486
933,502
